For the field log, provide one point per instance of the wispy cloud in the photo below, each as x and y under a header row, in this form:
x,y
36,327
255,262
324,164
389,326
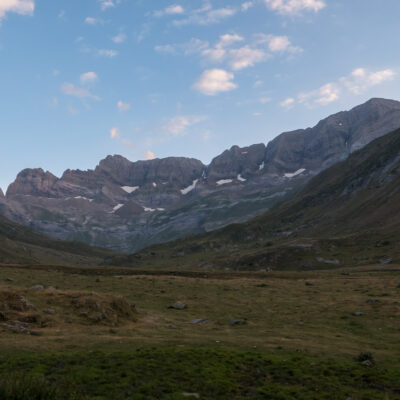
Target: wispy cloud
x,y
246,5
287,103
148,155
115,134
206,15
362,79
179,124
295,7
232,50
120,38
93,21
71,90
22,7
89,77
105,4
215,81
123,106
107,53
174,9
357,82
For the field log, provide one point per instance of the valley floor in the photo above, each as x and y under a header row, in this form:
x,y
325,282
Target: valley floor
x,y
329,334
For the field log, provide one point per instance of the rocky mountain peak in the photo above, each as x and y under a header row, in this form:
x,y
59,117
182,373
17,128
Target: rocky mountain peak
x,y
35,182
237,160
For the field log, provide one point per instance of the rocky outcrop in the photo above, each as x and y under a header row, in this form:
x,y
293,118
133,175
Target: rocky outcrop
x,y
246,161
35,182
332,139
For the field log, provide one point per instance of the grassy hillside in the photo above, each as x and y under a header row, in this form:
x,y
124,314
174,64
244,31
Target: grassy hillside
x,y
349,214
21,245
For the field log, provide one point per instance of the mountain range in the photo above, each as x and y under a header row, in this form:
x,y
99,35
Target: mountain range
x,y
347,215
126,206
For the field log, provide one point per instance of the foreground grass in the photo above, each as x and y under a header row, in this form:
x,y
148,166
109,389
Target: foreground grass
x,y
165,372
302,334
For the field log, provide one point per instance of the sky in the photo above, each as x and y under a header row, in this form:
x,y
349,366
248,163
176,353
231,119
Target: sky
x,y
82,79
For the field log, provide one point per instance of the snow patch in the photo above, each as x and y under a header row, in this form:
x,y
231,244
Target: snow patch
x,y
239,178
83,198
244,152
224,181
154,184
190,188
148,209
117,207
262,165
130,189
293,174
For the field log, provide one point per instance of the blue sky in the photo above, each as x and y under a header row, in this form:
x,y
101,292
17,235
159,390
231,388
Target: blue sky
x,y
83,79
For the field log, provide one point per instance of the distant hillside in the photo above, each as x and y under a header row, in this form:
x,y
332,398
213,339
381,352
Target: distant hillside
x,y
21,245
349,214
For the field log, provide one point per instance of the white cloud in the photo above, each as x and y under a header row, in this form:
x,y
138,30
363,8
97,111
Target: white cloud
x,y
361,79
107,53
93,21
178,125
123,106
104,4
165,48
358,81
127,142
206,15
88,77
245,57
246,5
326,94
288,103
239,58
228,39
22,7
278,44
293,7
119,38
72,90
149,155
114,133
214,81
174,9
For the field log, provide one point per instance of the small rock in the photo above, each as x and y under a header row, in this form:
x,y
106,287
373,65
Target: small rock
x,y
398,286
199,321
195,395
358,314
309,284
370,301
37,287
239,322
51,288
178,306
49,311
385,260
367,363
9,280
301,323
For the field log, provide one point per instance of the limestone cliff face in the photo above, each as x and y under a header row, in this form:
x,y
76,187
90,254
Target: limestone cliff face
x,y
332,139
245,161
35,182
128,205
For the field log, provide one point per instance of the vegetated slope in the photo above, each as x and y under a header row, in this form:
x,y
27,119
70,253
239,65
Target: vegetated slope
x,y
127,206
21,245
348,214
